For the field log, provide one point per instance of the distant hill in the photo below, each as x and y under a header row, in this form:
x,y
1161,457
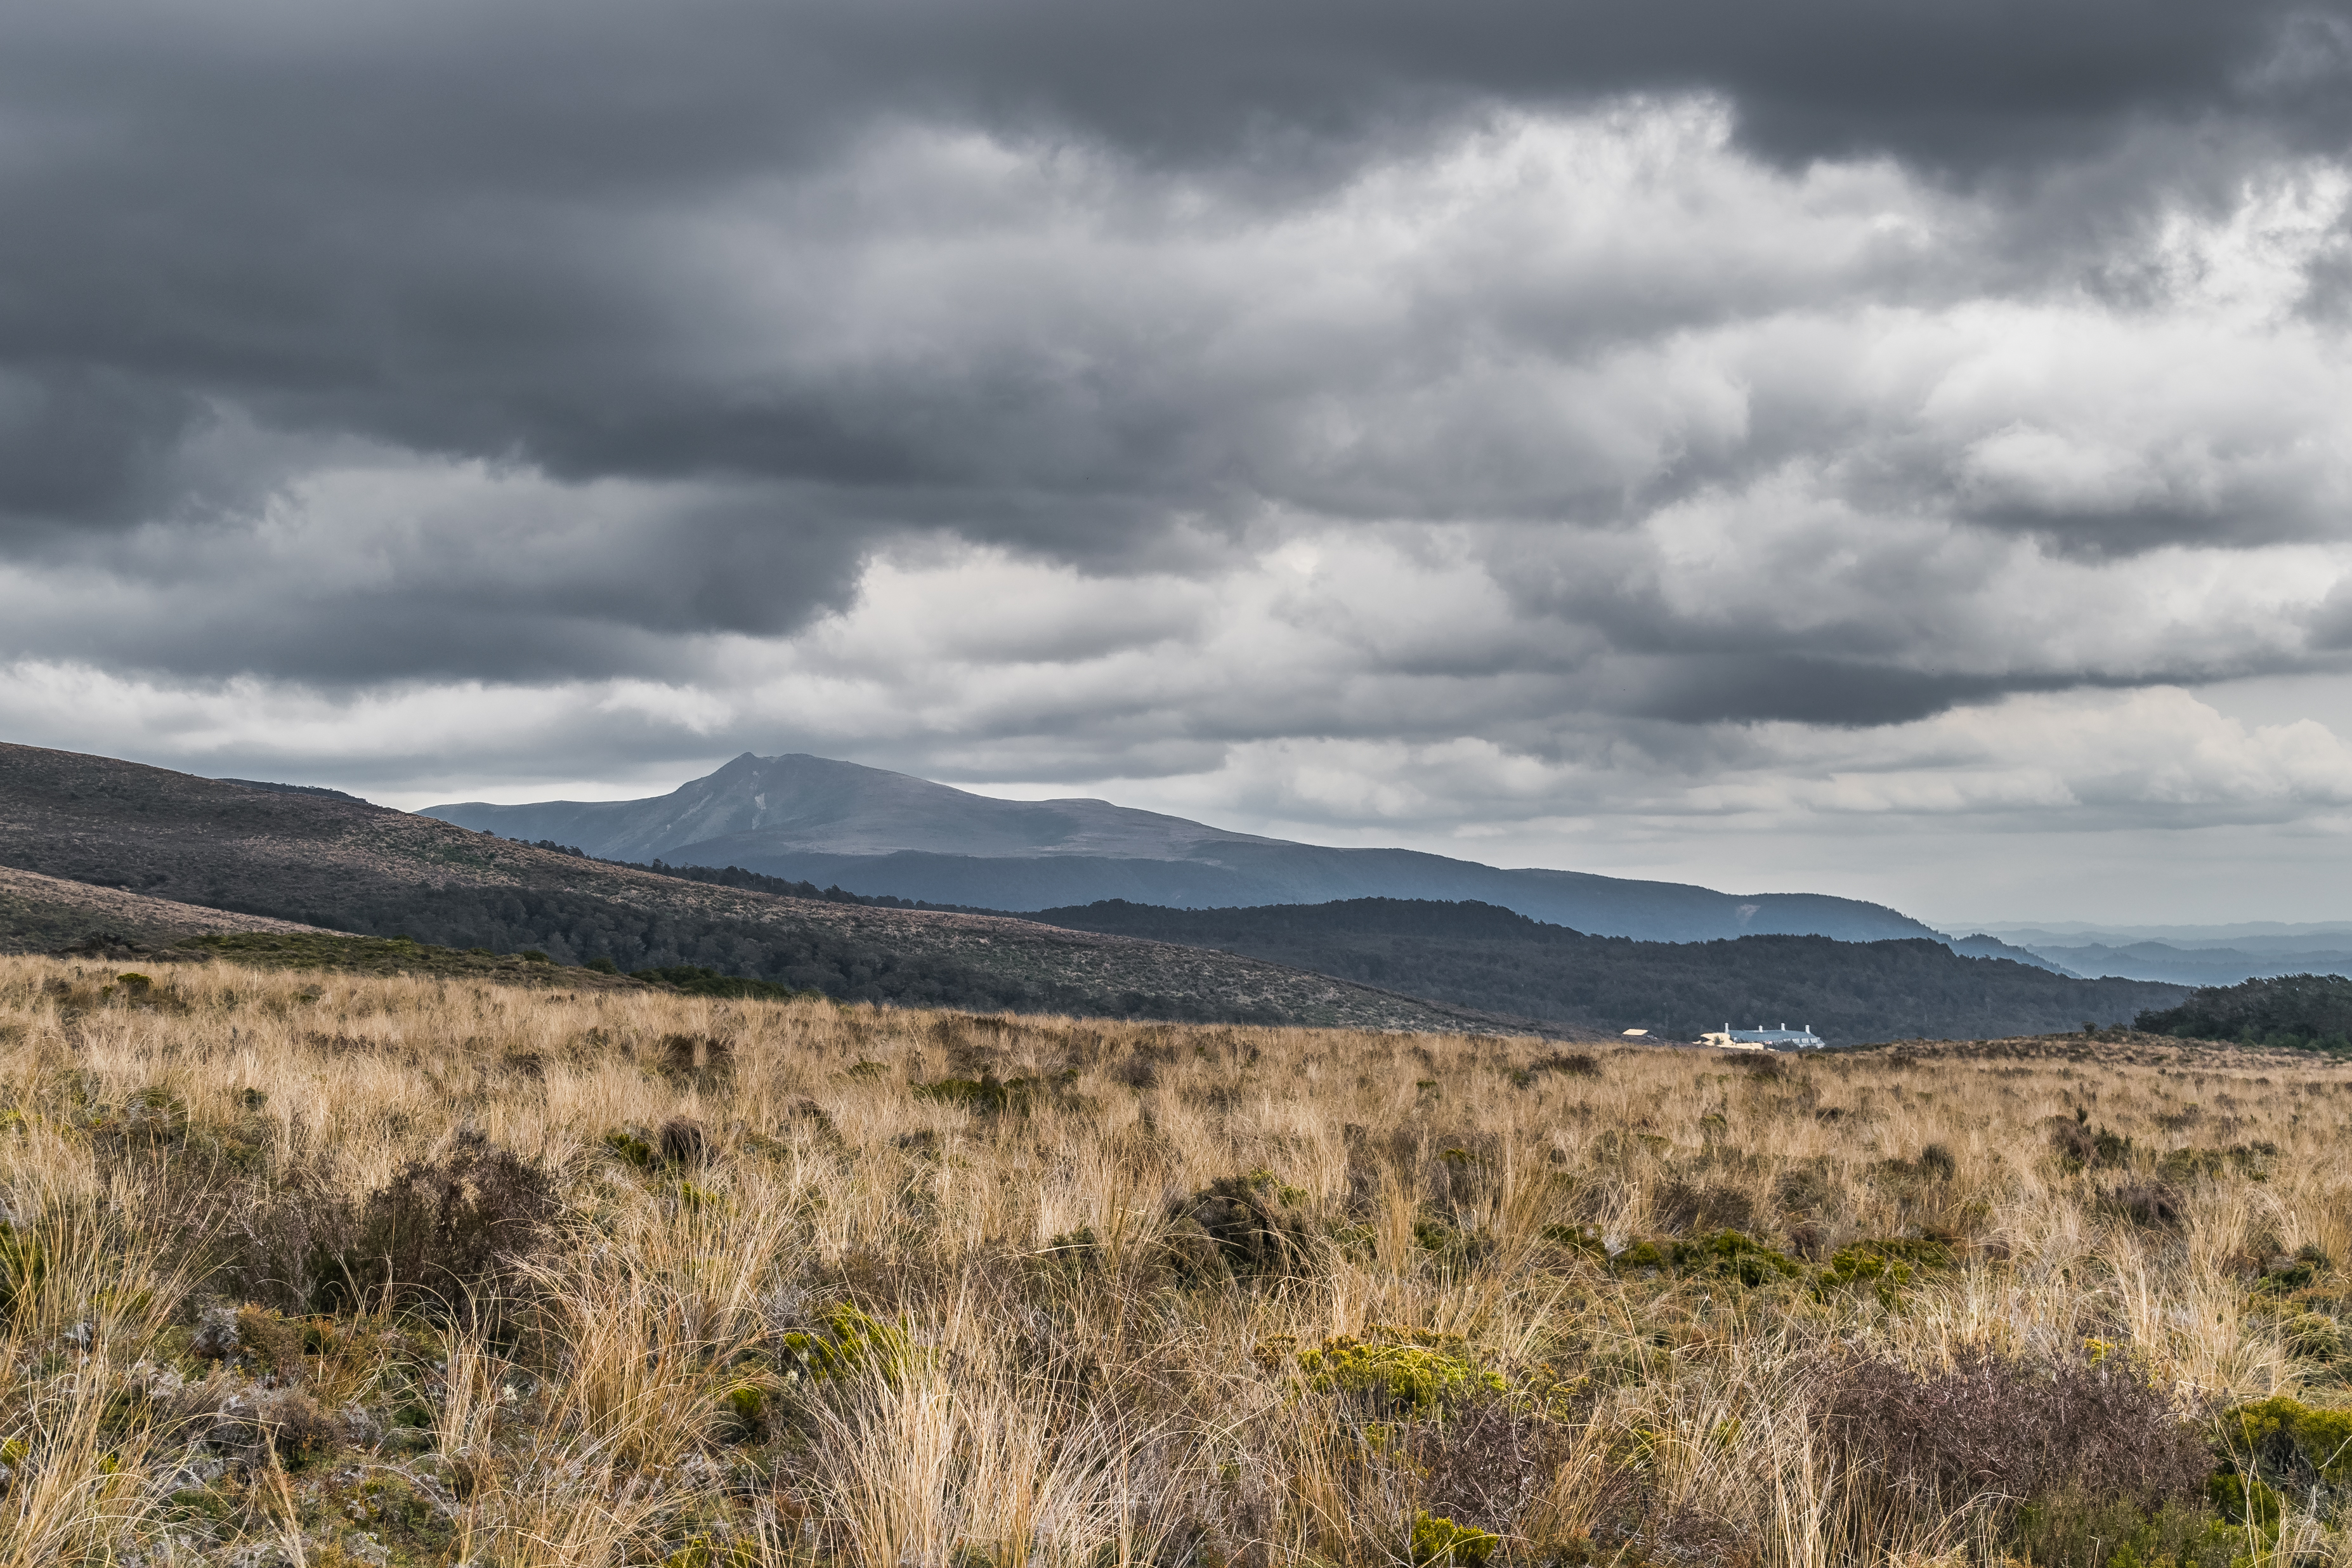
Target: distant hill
x,y
2190,955
872,831
1851,992
334,862
1982,946
2305,1012
2193,966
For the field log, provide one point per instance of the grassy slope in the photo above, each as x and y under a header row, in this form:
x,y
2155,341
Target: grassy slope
x,y
1849,992
39,914
863,1322
357,867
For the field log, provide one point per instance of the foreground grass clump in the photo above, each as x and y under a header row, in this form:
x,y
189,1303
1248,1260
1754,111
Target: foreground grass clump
x,y
429,1268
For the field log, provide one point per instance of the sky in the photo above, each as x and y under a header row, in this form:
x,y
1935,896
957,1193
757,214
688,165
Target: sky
x,y
1896,449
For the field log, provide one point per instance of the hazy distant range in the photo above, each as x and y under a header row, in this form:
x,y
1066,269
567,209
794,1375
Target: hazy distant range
x,y
2188,955
872,831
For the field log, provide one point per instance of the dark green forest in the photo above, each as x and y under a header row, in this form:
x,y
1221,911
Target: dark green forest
x,y
2305,1012
1479,955
760,882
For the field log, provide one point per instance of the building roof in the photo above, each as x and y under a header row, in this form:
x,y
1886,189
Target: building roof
x,y
1802,1035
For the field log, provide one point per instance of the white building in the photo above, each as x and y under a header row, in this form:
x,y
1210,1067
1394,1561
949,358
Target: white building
x,y
1784,1038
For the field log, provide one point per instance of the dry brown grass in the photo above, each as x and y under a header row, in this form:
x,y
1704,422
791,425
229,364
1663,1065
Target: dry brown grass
x,y
1035,1370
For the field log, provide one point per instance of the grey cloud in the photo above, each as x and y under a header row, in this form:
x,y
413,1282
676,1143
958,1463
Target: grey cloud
x,y
447,232
81,443
467,234
521,583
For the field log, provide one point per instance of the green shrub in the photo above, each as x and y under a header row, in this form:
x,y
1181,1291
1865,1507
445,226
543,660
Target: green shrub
x,y
2284,1276
703,1551
1584,1238
1439,1542
632,1148
1729,1255
2244,1500
843,1344
1398,1371
1887,1266
744,1413
1637,1257
2069,1530
2292,1440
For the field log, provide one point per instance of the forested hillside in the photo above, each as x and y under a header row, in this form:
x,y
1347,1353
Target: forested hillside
x,y
2307,1012
1851,992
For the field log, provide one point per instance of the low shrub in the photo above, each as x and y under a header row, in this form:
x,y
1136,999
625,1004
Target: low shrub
x,y
989,1095
1887,1266
2072,1530
1567,1064
2152,1205
1439,1542
683,1140
2006,1430
1806,1189
1238,1228
2244,1500
2315,1336
1731,1255
448,1235
2292,1443
629,1148
841,1344
1486,1460
699,1059
2284,1274
1392,1373
2080,1147
1681,1206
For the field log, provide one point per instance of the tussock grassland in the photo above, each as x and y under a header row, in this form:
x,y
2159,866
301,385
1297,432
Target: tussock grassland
x,y
335,1270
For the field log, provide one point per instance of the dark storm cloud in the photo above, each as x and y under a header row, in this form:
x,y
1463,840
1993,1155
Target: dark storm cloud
x,y
444,228
475,573
530,341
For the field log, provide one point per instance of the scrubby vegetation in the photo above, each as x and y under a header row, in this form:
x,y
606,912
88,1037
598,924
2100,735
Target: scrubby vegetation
x,y
1476,955
300,1267
2300,1012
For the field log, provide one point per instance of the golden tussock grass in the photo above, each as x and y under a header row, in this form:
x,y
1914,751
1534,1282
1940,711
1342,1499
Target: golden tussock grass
x,y
326,1269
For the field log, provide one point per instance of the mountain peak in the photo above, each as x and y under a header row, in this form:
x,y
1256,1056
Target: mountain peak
x,y
870,831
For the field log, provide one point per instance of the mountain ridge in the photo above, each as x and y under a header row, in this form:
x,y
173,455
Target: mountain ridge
x,y
870,830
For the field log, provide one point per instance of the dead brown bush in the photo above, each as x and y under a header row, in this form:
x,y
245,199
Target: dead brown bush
x,y
2007,1430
